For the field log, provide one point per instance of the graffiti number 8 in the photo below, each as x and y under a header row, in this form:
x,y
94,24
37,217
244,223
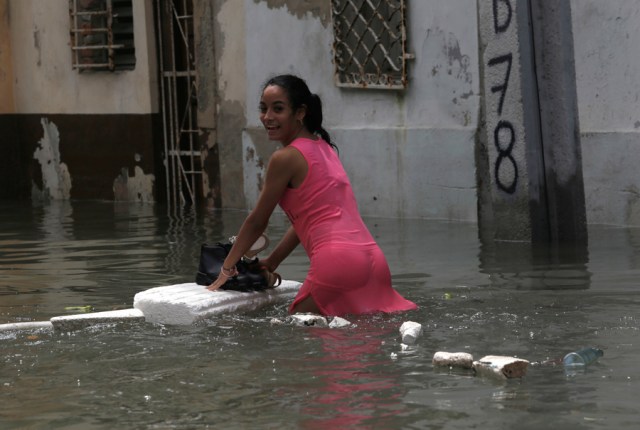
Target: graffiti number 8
x,y
506,178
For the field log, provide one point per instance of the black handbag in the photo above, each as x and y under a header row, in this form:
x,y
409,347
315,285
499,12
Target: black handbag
x,y
250,277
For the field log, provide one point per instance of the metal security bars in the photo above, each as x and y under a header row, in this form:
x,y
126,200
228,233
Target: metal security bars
x,y
102,35
182,154
370,43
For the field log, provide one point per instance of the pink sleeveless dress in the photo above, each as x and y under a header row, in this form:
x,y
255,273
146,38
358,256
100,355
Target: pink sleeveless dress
x,y
348,273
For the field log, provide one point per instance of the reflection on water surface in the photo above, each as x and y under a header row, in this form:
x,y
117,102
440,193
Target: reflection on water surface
x,y
240,371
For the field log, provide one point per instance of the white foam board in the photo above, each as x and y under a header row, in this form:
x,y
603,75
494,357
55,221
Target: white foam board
x,y
185,304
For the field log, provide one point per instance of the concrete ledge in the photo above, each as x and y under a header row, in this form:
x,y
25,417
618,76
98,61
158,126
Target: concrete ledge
x,y
76,322
185,304
23,326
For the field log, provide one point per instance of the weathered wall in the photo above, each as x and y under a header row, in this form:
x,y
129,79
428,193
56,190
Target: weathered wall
x,y
231,109
510,111
607,36
79,135
6,65
44,80
408,154
205,38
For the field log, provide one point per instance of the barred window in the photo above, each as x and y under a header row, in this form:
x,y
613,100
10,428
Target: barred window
x,y
102,35
370,43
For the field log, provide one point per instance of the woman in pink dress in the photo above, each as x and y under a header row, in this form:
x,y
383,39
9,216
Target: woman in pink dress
x,y
348,272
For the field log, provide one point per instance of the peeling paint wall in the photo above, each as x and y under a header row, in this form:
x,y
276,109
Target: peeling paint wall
x,y
138,187
95,124
320,9
232,95
56,180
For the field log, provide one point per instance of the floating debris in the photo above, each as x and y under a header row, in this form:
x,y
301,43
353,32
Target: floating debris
x,y
501,366
410,332
453,359
582,358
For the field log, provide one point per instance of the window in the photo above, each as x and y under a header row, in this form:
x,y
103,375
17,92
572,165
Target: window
x,y
102,35
370,43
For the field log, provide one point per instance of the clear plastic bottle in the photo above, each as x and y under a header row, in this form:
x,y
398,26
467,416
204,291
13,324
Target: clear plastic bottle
x,y
583,357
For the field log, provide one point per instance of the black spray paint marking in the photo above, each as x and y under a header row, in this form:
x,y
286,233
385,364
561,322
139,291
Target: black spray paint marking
x,y
504,135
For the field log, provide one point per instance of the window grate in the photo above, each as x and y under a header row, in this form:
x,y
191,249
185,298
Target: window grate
x,y
102,35
370,43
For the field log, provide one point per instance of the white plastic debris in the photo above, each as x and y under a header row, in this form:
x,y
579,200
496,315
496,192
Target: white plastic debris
x,y
180,304
75,322
29,325
501,366
410,332
185,304
338,322
453,359
306,320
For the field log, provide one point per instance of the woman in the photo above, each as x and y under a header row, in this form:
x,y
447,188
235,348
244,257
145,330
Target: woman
x,y
348,273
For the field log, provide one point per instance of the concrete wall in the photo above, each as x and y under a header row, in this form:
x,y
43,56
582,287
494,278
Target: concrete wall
x,y
411,153
232,69
607,36
408,154
6,66
71,134
44,80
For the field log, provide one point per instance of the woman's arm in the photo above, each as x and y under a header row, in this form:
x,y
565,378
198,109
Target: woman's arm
x,y
286,245
282,167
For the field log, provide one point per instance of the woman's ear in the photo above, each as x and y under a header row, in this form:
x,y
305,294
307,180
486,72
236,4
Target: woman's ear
x,y
301,113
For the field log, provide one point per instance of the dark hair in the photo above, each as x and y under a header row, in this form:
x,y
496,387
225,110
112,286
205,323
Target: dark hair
x,y
299,95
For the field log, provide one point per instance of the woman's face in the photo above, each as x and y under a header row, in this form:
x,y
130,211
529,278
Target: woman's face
x,y
277,116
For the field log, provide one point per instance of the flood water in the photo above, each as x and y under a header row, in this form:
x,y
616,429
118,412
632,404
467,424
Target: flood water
x,y
240,371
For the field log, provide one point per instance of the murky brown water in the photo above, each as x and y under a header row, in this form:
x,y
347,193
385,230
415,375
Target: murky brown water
x,y
239,371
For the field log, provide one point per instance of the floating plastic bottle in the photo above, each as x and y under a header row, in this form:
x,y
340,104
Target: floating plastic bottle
x,y
584,357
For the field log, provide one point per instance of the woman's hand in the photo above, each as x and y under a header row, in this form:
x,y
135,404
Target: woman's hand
x,y
266,263
218,283
222,277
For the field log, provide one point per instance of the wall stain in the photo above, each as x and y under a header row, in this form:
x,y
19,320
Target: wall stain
x,y
56,180
318,8
632,215
451,70
138,187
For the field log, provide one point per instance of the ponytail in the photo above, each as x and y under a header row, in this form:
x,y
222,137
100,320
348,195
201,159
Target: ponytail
x,y
313,119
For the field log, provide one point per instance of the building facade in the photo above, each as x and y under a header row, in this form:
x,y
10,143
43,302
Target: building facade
x,y
181,125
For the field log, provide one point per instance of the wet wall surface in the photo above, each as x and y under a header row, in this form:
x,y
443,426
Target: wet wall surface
x,y
81,156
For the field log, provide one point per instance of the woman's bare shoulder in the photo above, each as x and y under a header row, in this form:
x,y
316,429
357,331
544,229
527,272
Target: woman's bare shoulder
x,y
287,155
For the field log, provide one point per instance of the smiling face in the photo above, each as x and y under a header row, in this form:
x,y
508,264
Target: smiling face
x,y
277,115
